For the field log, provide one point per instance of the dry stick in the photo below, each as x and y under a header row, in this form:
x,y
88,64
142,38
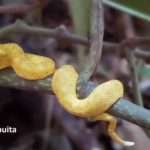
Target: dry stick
x,y
129,33
123,108
142,54
134,76
24,8
61,33
16,9
20,9
97,32
134,43
132,65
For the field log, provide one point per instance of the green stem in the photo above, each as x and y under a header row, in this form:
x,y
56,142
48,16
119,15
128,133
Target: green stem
x,y
97,32
123,108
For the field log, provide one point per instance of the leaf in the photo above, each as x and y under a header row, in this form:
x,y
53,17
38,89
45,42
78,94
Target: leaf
x,y
80,11
138,8
144,71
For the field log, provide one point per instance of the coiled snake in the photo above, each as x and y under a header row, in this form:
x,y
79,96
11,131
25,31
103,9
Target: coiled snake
x,y
64,80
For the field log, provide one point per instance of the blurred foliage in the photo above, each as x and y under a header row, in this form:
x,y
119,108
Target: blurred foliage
x,y
144,71
80,11
13,2
138,8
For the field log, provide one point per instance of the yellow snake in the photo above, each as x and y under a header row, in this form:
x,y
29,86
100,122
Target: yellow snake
x,y
64,80
26,65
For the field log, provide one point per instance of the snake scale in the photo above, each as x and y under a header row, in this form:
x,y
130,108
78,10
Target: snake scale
x,y
64,82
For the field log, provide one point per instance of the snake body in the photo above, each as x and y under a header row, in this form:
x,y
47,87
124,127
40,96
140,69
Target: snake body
x,y
105,94
26,65
64,82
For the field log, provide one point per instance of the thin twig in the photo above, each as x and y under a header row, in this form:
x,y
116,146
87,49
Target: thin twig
x,y
20,9
142,54
132,65
97,32
63,34
134,77
59,33
130,33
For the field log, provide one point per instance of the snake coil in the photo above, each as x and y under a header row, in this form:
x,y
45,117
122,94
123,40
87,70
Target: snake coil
x,y
64,80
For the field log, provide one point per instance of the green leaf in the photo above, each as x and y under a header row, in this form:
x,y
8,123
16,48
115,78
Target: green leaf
x,y
144,71
138,8
81,14
80,10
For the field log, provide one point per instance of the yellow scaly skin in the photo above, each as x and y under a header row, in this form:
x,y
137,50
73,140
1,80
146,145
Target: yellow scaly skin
x,y
33,67
64,84
4,61
26,65
64,80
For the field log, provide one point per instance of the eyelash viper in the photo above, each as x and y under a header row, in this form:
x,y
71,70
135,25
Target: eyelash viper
x,y
64,82
26,65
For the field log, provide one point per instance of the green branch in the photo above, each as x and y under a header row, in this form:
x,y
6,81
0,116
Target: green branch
x,y
123,108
